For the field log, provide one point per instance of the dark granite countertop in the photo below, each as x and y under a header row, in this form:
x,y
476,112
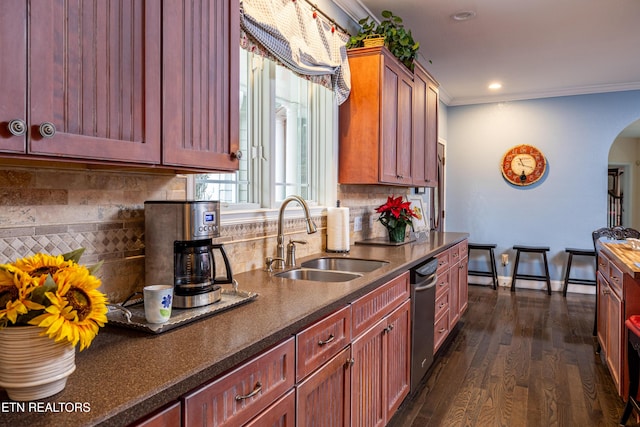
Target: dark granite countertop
x,y
126,374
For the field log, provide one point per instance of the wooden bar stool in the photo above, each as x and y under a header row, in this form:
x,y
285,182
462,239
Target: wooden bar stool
x,y
633,365
492,262
567,275
536,250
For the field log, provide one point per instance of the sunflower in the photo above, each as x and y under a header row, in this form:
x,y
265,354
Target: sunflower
x,y
40,265
77,308
15,290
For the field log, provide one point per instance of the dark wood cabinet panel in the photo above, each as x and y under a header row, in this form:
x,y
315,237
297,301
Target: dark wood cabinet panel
x,y
367,378
169,416
376,131
398,357
321,341
200,106
425,128
246,391
323,399
140,82
94,74
13,73
280,414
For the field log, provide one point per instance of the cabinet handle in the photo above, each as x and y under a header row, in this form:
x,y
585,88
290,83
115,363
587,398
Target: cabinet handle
x,y
442,304
257,389
442,330
237,155
388,329
47,130
349,363
17,127
327,341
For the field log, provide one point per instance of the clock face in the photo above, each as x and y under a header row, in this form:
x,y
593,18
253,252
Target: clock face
x,y
523,165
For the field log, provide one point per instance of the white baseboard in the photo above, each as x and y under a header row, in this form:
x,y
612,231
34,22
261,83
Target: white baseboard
x,y
556,285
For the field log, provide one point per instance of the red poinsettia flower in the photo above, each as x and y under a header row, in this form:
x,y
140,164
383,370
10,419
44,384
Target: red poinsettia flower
x,y
396,212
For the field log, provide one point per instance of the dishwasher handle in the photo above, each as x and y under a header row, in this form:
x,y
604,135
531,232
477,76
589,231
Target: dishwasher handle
x,y
428,285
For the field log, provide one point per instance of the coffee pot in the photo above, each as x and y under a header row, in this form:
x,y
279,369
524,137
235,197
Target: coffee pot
x,y
196,279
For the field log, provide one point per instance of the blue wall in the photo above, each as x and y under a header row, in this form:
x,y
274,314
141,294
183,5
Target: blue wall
x,y
575,134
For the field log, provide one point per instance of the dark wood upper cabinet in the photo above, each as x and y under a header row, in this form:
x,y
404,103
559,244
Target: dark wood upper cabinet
x,y
426,98
84,79
200,84
376,120
139,82
388,125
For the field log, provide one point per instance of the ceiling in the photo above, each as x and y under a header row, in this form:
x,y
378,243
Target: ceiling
x,y
535,49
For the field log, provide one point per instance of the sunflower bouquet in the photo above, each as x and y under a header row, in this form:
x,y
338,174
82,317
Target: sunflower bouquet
x,y
55,293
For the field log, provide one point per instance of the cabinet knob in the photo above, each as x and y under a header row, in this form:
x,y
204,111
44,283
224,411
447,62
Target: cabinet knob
x,y
236,155
388,329
47,130
17,127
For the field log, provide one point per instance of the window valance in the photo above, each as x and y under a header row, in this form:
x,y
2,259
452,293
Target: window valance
x,y
300,39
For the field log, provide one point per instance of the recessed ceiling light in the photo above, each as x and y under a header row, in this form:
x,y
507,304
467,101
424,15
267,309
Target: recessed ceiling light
x,y
463,15
495,86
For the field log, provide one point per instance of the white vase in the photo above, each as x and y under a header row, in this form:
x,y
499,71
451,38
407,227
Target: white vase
x,y
33,366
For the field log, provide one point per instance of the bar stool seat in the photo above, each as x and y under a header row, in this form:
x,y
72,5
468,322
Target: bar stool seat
x,y
633,364
536,250
567,275
492,272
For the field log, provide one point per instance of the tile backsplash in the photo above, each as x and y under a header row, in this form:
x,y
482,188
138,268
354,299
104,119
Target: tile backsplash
x,y
58,210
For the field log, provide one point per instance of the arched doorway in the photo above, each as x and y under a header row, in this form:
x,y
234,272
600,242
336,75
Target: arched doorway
x,y
623,195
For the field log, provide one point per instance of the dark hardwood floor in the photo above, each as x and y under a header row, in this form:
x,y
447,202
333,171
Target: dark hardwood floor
x,y
519,359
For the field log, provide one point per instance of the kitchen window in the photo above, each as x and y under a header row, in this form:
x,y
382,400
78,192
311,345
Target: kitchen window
x,y
288,138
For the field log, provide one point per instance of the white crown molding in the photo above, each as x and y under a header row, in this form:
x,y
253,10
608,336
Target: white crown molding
x,y
583,90
355,9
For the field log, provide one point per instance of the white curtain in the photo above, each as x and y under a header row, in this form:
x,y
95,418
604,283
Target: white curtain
x,y
300,39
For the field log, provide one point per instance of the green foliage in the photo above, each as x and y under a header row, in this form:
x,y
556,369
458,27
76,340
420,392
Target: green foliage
x,y
398,39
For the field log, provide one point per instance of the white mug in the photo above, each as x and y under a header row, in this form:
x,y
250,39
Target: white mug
x,y
157,302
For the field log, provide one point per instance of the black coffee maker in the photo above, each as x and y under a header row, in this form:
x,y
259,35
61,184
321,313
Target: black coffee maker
x,y
179,250
195,275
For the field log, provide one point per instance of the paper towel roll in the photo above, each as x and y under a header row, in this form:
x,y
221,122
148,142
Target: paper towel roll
x,y
338,229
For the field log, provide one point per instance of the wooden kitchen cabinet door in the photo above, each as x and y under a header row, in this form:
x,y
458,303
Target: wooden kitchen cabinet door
x,y
380,378
425,128
398,361
13,74
94,74
367,376
324,398
200,84
376,130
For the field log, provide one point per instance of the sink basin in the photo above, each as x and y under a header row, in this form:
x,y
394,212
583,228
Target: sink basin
x,y
357,265
318,275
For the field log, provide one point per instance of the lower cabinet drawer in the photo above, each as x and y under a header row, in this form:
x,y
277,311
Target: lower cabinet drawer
x,y
321,341
442,305
281,413
238,396
440,331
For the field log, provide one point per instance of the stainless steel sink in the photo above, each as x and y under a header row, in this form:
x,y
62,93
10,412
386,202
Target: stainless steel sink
x,y
357,265
318,275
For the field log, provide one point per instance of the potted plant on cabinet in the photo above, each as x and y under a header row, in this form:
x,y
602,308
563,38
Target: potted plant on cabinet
x,y
397,39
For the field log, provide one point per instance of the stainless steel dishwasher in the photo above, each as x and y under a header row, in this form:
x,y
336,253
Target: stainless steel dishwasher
x,y
423,297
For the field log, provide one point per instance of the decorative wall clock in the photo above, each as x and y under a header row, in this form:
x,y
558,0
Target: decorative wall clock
x,y
523,165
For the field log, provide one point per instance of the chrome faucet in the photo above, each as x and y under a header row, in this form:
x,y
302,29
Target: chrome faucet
x,y
311,227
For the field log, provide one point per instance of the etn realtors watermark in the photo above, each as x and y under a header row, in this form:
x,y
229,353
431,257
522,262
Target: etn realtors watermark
x,y
44,407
